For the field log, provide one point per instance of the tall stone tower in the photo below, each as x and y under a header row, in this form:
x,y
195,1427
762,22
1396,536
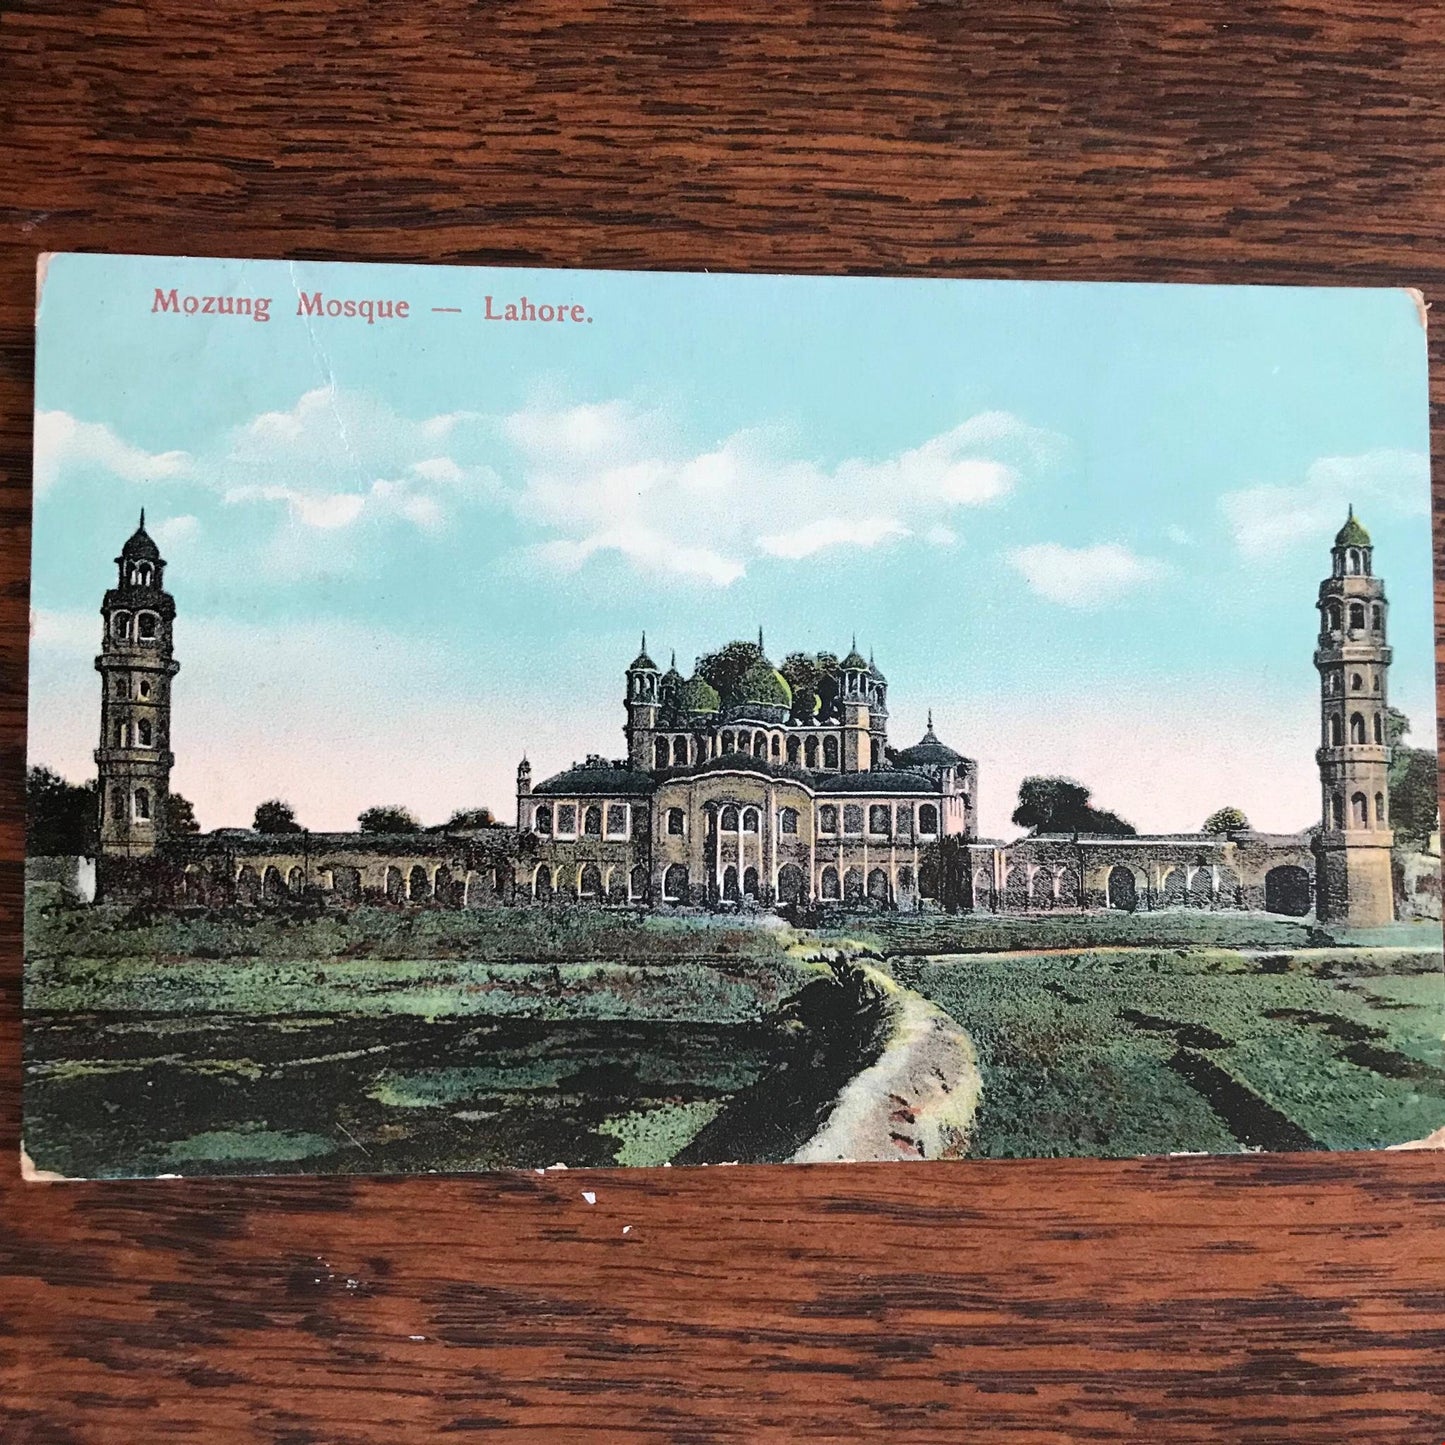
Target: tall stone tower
x,y
855,689
136,667
1353,874
643,699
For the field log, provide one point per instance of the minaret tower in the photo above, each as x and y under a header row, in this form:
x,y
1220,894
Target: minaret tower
x,y
1353,875
643,696
136,667
855,686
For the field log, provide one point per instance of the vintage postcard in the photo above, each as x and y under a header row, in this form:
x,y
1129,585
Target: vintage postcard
x,y
498,718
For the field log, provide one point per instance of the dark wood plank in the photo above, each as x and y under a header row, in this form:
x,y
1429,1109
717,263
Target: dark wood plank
x,y
1250,1299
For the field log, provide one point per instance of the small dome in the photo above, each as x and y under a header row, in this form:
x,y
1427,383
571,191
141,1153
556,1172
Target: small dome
x,y
698,695
929,752
855,661
642,662
1352,534
140,546
763,683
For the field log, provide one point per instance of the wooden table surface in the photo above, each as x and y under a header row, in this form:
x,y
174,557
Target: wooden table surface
x,y
1253,1299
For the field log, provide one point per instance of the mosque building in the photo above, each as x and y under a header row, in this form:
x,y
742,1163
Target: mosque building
x,y
759,794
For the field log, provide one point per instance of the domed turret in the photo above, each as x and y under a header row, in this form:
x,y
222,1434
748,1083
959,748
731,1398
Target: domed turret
x,y
763,683
697,695
928,753
1352,534
140,545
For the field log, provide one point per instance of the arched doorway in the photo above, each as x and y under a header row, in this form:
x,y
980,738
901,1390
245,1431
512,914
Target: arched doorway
x,y
638,884
1201,889
1287,890
983,890
418,885
878,887
674,884
791,884
1172,892
750,883
542,884
1041,891
395,885
730,884
853,886
272,886
442,886
829,883
296,881
1123,893
590,884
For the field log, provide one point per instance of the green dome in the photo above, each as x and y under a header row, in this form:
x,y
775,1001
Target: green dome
x,y
698,695
763,683
1352,534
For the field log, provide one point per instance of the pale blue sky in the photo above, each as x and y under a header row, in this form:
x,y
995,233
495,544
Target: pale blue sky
x,y
1084,522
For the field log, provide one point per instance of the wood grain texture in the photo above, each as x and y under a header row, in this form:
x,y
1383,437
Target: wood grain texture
x,y
1256,1299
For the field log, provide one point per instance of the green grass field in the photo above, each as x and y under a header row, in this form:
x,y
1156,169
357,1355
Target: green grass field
x,y
1102,1035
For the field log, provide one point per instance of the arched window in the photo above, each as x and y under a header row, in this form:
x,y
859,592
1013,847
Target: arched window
x,y
617,820
853,885
777,748
830,888
1352,562
1379,728
828,818
750,883
928,819
1357,683
120,626
880,819
1379,810
542,820
793,750
117,804
660,753
675,822
1357,616
730,884
145,732
590,883
1337,810
830,753
140,574
674,884
1377,618
1337,730
146,626
750,820
810,753
1359,810
142,805
1357,727
145,688
852,818
679,752
729,821
787,820
1332,617
592,822
727,742
121,690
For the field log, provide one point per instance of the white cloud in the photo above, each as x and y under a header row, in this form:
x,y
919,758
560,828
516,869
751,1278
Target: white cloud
x,y
827,532
175,532
1084,577
1267,521
63,441
611,478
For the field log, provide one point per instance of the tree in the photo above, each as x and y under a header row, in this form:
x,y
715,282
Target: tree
x,y
180,815
1225,820
1396,725
803,674
1060,805
725,668
274,816
388,818
472,818
60,817
1414,784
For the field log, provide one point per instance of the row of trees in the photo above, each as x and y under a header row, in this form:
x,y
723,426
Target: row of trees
x,y
62,817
